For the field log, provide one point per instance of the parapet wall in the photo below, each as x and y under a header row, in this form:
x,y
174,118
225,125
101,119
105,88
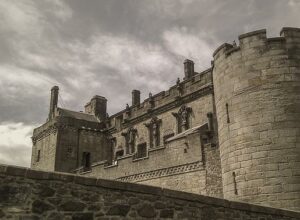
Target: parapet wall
x,y
158,103
257,98
31,194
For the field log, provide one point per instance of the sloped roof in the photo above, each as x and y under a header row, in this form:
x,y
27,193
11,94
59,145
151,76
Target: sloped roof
x,y
77,115
188,132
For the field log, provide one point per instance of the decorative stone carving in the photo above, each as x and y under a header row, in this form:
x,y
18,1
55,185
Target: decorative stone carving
x,y
154,131
130,139
151,101
184,168
183,118
179,87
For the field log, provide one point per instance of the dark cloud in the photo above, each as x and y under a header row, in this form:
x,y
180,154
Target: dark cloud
x,y
109,48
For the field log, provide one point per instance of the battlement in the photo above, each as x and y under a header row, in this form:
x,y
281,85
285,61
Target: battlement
x,y
258,39
177,92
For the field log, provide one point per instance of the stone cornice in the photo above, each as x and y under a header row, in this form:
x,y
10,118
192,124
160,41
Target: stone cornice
x,y
175,170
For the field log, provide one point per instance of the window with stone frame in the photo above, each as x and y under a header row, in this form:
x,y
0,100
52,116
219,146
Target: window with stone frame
x,y
154,131
130,140
141,151
183,117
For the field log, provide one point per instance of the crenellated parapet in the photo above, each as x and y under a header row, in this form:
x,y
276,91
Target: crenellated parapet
x,y
258,40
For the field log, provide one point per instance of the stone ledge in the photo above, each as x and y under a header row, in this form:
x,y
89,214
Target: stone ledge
x,y
139,188
225,45
284,29
252,33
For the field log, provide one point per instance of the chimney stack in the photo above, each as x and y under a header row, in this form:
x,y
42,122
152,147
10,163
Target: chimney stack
x,y
136,97
53,101
188,69
97,106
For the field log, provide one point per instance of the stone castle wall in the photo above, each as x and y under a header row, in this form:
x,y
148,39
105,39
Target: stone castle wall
x,y
44,149
179,164
252,154
31,194
257,94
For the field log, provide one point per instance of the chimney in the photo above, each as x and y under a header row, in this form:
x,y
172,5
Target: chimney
x,y
53,101
97,106
188,69
136,97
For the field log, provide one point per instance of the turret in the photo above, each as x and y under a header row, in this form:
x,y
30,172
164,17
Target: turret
x,y
257,93
53,101
97,106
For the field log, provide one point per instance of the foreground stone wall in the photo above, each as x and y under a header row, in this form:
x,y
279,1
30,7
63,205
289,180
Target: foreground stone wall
x,y
31,194
257,95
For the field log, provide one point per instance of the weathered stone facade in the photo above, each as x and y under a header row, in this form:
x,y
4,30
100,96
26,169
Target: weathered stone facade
x,y
34,195
231,131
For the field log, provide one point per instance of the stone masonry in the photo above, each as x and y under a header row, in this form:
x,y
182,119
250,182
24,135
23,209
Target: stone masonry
x,y
231,131
32,194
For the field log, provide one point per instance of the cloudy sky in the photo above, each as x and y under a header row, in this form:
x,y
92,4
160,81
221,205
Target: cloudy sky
x,y
109,47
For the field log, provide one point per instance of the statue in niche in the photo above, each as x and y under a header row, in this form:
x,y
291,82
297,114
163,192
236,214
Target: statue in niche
x,y
131,140
183,118
154,131
130,137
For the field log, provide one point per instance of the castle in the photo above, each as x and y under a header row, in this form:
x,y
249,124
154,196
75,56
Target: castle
x,y
231,131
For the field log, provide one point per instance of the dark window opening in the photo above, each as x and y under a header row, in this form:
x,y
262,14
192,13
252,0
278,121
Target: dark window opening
x,y
86,160
119,153
38,156
141,151
227,113
234,183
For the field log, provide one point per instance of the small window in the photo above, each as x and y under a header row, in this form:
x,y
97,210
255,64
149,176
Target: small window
x,y
141,151
38,157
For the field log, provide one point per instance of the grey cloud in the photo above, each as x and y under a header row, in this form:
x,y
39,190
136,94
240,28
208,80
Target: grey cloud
x,y
111,47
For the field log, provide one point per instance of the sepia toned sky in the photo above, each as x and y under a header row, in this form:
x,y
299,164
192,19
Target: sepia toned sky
x,y
108,48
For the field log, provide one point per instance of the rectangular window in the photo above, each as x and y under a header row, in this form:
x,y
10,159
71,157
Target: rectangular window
x,y
141,150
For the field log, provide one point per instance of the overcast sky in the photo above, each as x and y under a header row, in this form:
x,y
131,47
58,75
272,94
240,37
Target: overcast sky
x,y
108,48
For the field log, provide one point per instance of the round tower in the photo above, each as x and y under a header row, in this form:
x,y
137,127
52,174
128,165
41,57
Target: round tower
x,y
257,97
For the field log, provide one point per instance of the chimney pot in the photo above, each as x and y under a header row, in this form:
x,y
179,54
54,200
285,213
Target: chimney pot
x,y
188,68
136,97
53,101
